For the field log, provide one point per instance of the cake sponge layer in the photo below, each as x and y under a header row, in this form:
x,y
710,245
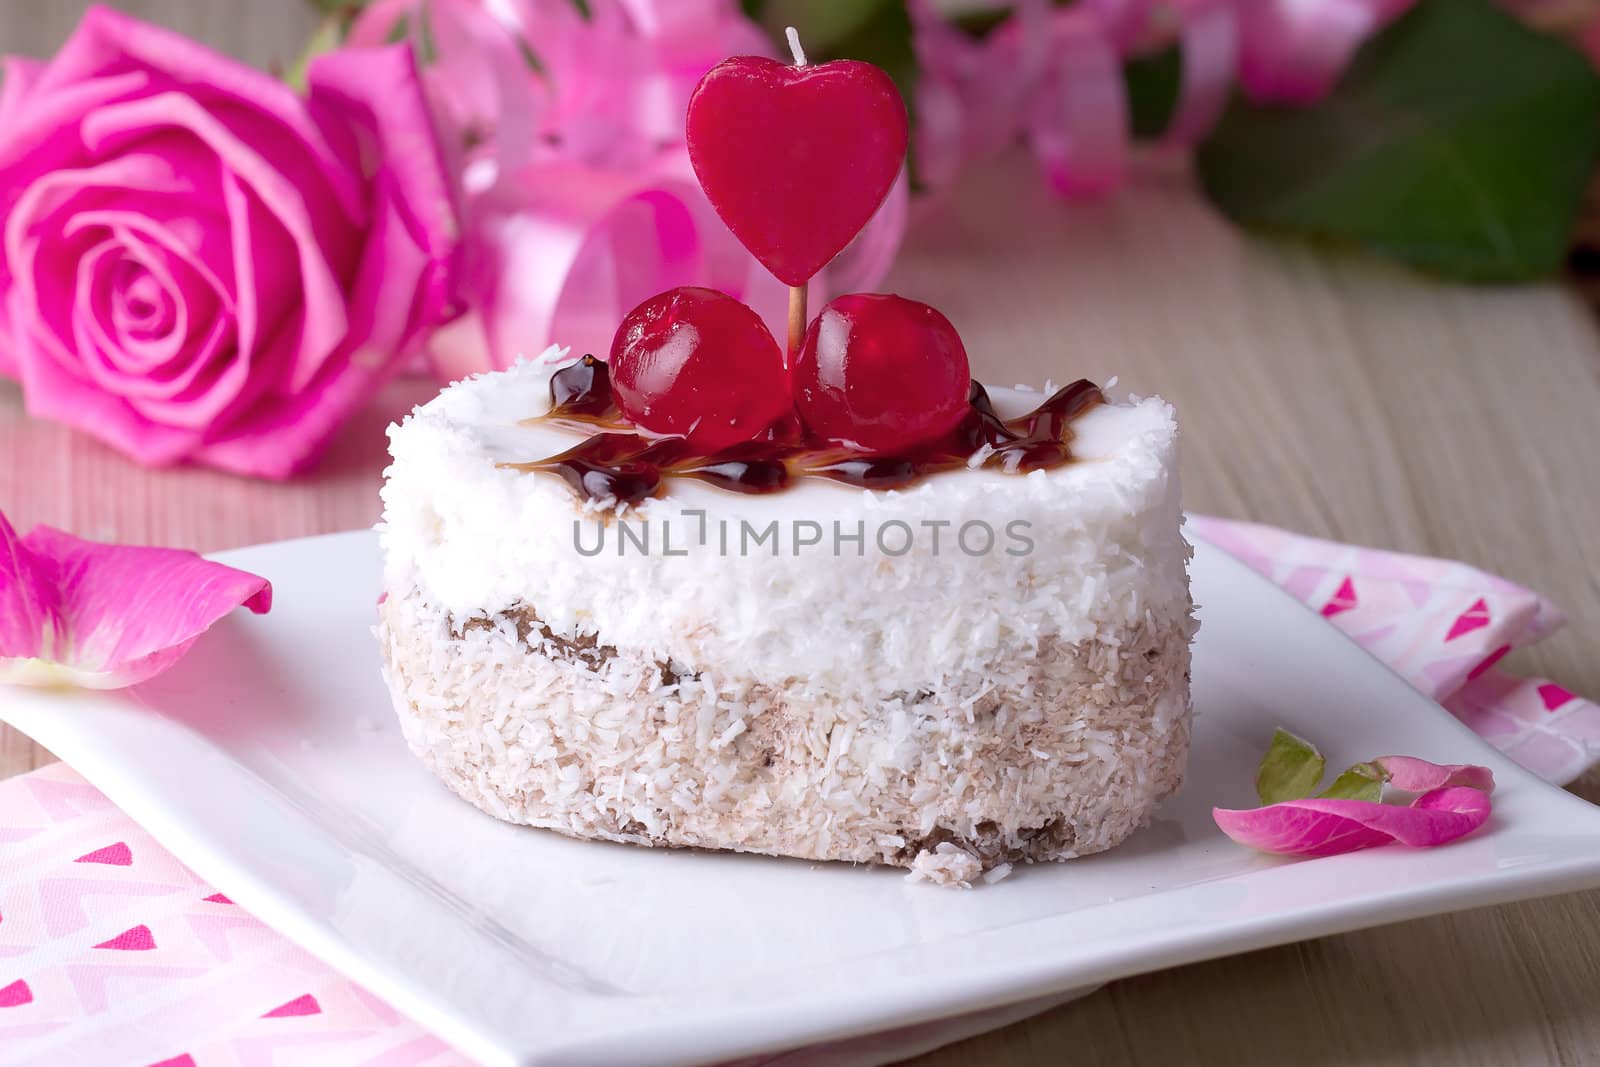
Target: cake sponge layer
x,y
1057,752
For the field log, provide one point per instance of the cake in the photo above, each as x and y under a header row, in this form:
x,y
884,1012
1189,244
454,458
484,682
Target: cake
x,y
670,672
832,600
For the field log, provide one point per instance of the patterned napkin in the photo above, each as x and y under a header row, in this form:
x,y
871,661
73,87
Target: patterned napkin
x,y
1444,627
112,952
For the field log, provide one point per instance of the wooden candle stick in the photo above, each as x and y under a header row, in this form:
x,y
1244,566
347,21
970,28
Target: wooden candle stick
x,y
797,317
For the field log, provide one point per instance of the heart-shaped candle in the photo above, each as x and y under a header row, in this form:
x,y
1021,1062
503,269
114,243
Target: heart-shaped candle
x,y
796,159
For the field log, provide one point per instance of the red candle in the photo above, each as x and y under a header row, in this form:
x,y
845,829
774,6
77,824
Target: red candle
x,y
796,159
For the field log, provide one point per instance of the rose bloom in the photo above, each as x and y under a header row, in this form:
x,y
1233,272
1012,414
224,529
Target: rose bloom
x,y
201,265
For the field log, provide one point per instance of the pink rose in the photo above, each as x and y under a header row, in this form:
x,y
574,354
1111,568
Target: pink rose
x,y
201,265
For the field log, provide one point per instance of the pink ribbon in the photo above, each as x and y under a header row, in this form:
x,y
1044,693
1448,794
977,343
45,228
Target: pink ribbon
x,y
1053,76
559,252
578,196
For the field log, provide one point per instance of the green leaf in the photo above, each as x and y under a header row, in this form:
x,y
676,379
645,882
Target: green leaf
x,y
1153,83
530,57
328,35
427,48
823,24
1460,142
982,22
1364,781
886,41
1290,770
399,31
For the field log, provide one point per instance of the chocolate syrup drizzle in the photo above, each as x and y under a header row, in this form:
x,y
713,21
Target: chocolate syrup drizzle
x,y
622,464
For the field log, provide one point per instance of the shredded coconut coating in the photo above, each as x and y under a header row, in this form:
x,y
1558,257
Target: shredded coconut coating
x,y
1048,754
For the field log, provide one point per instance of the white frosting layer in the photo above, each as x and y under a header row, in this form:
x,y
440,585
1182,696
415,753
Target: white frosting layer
x,y
1089,546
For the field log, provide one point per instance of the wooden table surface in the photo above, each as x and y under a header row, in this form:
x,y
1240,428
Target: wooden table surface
x,y
1318,390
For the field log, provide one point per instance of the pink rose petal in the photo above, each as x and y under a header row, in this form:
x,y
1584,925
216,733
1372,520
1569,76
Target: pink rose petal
x,y
100,616
1419,776
30,607
17,74
1320,827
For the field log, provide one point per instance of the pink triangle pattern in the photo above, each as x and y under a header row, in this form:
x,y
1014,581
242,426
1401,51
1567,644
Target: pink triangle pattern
x,y
117,855
1474,618
176,963
1343,600
1554,696
305,1004
138,939
1488,662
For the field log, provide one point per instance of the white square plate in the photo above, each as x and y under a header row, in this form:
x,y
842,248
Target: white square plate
x,y
270,762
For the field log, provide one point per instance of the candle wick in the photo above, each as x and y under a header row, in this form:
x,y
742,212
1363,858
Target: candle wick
x,y
794,45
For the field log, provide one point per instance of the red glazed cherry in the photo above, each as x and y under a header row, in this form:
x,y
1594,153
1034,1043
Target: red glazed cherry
x,y
698,364
880,373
